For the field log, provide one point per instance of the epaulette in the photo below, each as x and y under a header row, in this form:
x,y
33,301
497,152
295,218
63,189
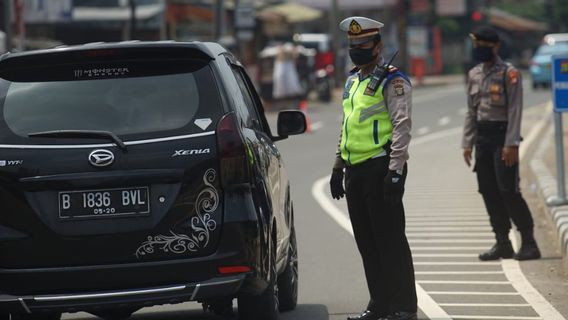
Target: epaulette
x,y
393,73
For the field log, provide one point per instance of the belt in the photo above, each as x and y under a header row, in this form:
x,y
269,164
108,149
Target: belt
x,y
492,127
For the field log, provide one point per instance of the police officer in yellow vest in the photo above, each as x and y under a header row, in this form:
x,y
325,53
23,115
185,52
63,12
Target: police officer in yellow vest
x,y
493,126
373,152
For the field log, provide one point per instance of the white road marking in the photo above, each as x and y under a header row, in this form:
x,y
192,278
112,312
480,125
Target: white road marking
x,y
495,317
484,305
425,302
444,255
457,272
449,222
450,241
449,234
444,121
510,267
465,263
316,125
447,248
474,293
514,273
462,282
454,228
422,131
429,306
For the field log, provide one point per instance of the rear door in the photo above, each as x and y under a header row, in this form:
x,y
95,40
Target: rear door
x,y
71,196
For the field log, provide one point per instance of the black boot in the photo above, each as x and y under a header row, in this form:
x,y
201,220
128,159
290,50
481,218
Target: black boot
x,y
502,249
529,249
365,315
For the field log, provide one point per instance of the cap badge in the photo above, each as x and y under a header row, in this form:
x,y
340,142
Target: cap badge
x,y
355,27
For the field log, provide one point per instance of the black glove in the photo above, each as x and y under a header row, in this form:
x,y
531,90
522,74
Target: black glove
x,y
394,187
336,184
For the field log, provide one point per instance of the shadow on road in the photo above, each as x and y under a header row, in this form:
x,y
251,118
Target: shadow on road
x,y
303,311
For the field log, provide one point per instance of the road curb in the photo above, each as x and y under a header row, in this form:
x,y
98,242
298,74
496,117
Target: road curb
x,y
547,185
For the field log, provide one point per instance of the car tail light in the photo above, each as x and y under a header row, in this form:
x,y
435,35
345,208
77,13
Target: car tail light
x,y
233,269
232,152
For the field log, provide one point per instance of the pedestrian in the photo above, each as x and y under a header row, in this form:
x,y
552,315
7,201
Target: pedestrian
x,y
492,127
373,151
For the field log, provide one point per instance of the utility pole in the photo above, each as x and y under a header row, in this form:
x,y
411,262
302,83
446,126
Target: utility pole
x,y
20,25
333,28
7,23
403,8
132,26
164,23
219,19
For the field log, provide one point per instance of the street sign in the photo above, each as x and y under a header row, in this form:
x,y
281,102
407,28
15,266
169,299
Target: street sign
x,y
560,82
44,11
244,16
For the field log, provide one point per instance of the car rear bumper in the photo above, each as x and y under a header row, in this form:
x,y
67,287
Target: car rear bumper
x,y
140,297
541,74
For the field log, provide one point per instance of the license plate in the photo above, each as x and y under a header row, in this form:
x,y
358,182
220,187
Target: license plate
x,y
104,203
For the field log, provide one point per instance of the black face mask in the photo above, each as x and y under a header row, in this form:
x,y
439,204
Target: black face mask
x,y
483,54
361,57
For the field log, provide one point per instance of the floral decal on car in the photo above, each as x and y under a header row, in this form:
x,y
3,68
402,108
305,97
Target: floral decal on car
x,y
201,225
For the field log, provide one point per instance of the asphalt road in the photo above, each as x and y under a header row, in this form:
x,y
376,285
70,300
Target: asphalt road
x,y
447,227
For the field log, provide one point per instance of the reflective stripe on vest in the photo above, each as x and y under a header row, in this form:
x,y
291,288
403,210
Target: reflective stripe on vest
x,y
366,122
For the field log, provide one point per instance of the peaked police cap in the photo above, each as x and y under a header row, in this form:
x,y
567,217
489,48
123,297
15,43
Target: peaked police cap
x,y
361,29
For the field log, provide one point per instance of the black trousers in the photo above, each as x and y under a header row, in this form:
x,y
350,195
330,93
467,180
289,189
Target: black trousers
x,y
379,232
499,187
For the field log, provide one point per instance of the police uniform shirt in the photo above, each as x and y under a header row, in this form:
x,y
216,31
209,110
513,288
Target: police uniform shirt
x,y
398,101
494,93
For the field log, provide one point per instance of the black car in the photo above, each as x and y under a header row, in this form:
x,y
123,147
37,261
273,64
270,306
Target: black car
x,y
136,174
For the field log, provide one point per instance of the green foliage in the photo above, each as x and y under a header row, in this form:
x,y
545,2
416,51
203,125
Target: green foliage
x,y
560,11
449,27
534,10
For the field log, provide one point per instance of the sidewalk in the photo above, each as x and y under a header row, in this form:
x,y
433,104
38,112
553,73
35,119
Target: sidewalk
x,y
543,167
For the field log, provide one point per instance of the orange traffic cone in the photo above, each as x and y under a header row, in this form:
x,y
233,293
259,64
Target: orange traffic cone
x,y
304,108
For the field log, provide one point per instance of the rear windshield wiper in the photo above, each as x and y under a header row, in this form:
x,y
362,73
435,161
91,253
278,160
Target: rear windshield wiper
x,y
80,134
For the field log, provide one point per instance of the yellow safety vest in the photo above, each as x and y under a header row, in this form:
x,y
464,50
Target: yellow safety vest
x,y
366,123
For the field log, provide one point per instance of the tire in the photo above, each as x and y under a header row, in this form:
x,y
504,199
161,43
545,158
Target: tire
x,y
4,316
265,305
288,280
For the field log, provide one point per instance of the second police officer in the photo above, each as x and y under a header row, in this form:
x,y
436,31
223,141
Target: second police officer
x,y
492,126
373,151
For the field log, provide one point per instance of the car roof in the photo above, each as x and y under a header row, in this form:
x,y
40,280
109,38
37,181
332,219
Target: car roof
x,y
210,49
552,38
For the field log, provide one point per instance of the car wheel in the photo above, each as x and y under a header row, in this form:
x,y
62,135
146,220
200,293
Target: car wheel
x,y
288,280
4,316
49,316
265,305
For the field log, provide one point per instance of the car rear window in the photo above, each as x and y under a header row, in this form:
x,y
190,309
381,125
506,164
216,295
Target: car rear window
x,y
559,47
126,98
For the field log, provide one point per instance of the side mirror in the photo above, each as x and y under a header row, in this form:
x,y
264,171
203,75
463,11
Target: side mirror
x,y
291,122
